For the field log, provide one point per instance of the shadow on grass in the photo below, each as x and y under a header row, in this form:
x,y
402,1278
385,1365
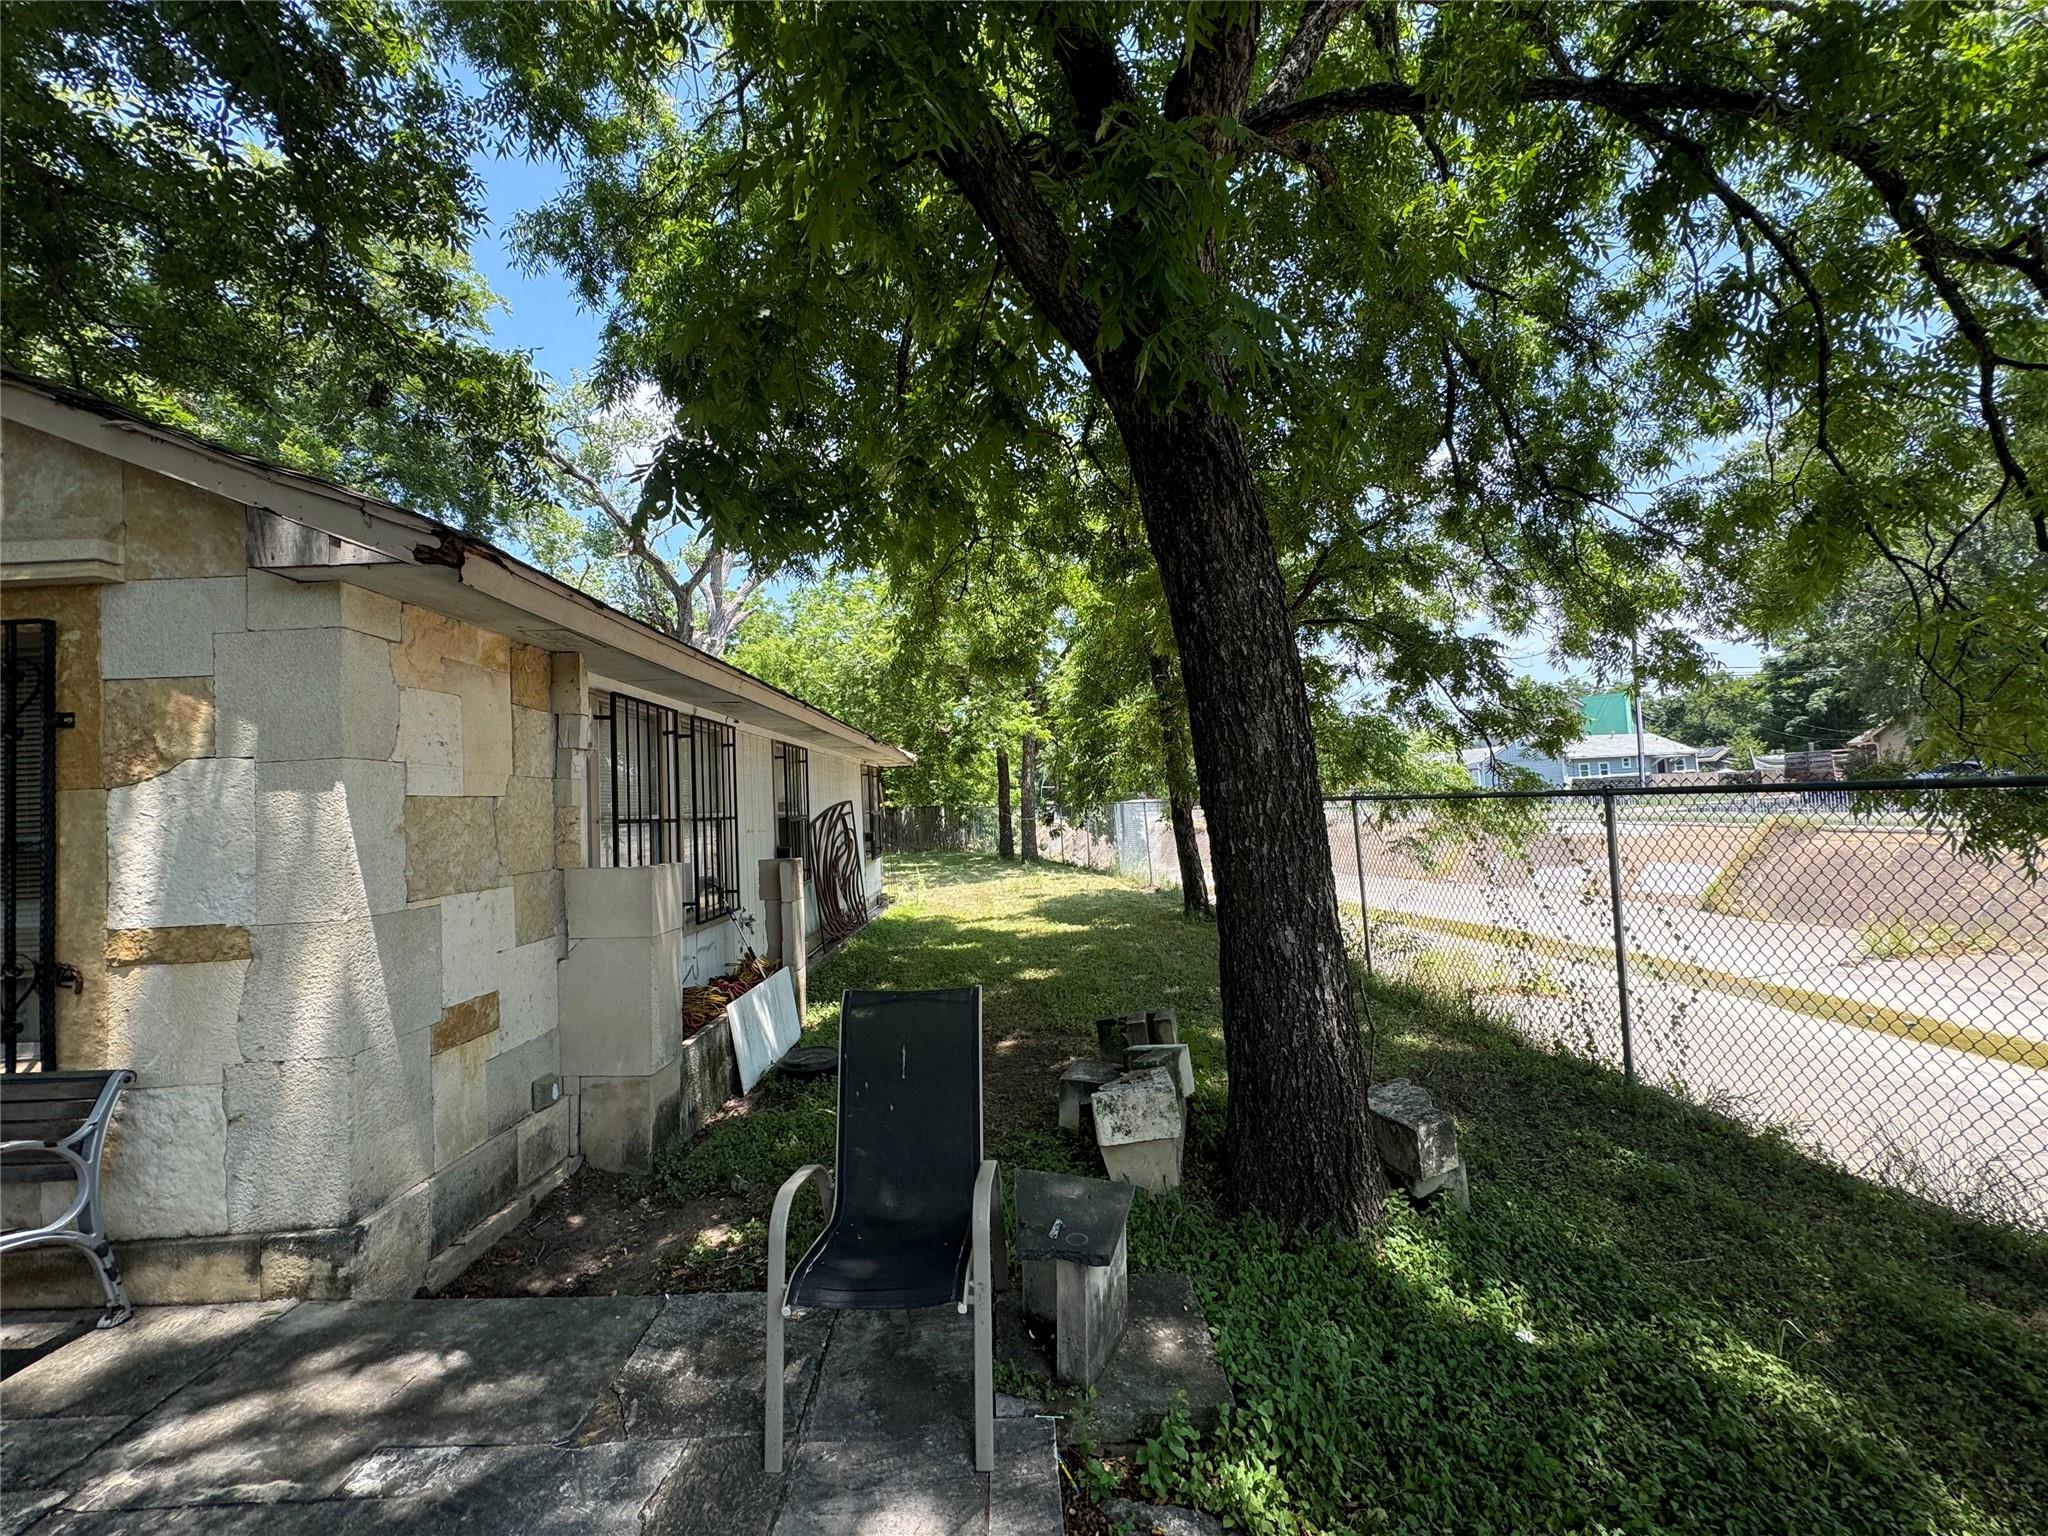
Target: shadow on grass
x,y
1653,1318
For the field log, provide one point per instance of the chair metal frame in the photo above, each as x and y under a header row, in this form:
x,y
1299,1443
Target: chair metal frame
x,y
83,1223
979,1294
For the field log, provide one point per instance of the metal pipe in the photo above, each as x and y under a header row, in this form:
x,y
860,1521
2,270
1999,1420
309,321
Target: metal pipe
x,y
1628,1044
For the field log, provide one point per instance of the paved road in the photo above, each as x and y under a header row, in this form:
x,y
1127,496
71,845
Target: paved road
x,y
2006,992
1957,1126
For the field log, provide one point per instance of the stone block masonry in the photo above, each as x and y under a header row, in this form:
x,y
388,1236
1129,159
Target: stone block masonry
x,y
311,876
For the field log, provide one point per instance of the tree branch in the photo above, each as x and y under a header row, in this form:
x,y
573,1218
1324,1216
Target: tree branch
x,y
1298,59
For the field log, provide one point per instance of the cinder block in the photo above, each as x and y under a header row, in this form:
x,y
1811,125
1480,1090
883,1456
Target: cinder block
x,y
1139,1129
1077,1087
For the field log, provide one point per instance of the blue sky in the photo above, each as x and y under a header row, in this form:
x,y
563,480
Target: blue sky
x,y
541,313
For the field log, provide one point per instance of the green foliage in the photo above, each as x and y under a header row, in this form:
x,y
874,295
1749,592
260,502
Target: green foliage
x,y
1652,1320
251,221
842,642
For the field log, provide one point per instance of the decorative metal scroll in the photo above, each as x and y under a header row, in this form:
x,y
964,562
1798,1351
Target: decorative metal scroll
x,y
836,872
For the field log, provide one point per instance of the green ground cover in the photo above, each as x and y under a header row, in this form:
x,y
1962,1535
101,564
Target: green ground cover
x,y
1651,1320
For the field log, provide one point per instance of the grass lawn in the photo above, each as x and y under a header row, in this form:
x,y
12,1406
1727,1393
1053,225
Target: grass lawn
x,y
1651,1320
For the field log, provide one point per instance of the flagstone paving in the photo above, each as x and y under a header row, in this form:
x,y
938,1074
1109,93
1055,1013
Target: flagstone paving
x,y
528,1415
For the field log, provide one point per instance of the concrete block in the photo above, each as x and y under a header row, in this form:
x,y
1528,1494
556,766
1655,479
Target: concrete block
x,y
409,961
1088,1314
1138,1127
277,602
533,743
391,1260
290,695
476,931
315,991
1077,1087
1163,1025
148,724
608,1008
526,994
451,845
460,1106
1417,1141
430,741
543,1142
627,903
182,847
331,840
174,1024
1117,1033
709,1075
391,1112
167,628
624,1121
1175,1059
289,1133
166,1163
509,1077
486,696
471,1188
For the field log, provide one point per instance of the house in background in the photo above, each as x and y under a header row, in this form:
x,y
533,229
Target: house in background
x,y
1606,751
380,856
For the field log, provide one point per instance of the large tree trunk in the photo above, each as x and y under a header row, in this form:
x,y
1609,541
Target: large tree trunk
x,y
1006,839
1180,785
1297,1144
1027,797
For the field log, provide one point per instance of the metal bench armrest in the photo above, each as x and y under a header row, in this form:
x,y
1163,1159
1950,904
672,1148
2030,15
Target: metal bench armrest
x,y
81,1176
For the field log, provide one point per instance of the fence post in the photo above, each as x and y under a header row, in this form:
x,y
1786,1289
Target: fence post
x,y
1628,1044
1364,912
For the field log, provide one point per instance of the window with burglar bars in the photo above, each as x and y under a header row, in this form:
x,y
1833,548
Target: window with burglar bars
x,y
792,769
870,807
642,790
665,794
28,809
715,824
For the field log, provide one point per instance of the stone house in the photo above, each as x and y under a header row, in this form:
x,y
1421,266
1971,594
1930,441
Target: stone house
x,y
380,856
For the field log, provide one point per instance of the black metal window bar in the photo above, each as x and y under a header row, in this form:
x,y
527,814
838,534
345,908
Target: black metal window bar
x,y
28,825
640,811
870,807
715,816
792,772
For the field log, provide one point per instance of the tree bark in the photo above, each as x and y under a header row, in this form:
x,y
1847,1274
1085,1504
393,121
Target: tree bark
x,y
1297,1143
1006,838
1180,786
1027,797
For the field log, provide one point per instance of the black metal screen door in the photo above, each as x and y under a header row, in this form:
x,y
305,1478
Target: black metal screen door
x,y
28,824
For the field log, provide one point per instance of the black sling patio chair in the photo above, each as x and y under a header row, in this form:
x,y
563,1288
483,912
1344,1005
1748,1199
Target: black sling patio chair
x,y
908,1205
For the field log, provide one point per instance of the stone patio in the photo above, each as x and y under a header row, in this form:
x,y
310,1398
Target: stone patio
x,y
529,1415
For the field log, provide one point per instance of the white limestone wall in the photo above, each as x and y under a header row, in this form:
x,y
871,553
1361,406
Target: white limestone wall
x,y
331,898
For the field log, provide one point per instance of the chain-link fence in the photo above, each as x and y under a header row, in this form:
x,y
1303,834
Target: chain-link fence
x,y
1826,961
936,829
1129,838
